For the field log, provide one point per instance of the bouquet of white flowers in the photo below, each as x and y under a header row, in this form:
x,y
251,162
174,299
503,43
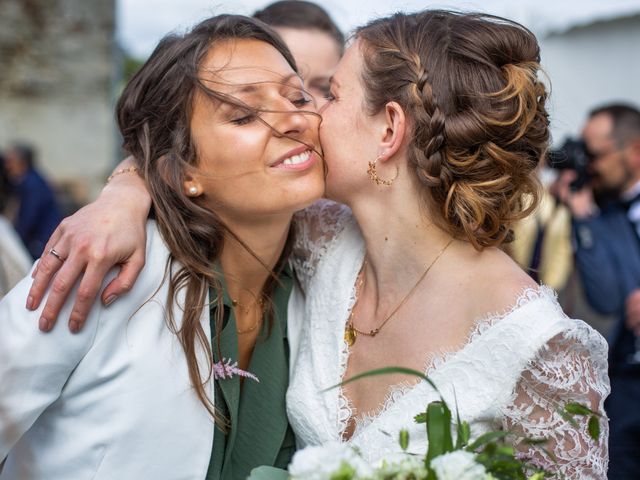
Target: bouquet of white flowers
x,y
488,457
339,461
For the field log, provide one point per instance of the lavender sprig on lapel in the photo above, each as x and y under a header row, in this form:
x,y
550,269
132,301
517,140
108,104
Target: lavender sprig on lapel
x,y
226,368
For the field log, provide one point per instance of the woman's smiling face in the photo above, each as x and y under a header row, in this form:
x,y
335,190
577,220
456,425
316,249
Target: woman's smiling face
x,y
259,161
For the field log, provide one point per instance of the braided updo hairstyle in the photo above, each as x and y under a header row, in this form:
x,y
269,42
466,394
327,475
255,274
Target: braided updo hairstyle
x,y
469,85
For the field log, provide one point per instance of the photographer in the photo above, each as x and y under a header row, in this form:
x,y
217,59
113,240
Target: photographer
x,y
607,243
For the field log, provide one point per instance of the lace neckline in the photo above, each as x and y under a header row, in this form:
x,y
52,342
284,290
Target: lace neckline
x,y
433,362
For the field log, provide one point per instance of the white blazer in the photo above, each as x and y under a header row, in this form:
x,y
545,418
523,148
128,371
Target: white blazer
x,y
111,402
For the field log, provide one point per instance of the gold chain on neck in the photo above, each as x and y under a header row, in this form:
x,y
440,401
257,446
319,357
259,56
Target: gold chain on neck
x,y
351,332
247,309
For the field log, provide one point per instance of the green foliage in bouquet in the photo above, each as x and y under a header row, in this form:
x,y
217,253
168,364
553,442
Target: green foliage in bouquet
x,y
490,456
491,449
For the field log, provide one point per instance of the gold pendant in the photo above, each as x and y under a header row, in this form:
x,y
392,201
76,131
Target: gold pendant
x,y
350,335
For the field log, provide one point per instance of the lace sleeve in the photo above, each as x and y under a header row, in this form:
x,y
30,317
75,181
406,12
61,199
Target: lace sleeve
x,y
572,367
315,228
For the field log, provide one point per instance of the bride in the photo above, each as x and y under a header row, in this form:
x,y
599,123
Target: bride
x,y
434,127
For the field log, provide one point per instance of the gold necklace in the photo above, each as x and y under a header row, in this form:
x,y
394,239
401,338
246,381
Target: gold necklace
x,y
247,309
351,332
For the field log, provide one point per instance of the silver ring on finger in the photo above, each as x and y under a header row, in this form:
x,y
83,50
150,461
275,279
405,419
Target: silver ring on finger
x,y
53,252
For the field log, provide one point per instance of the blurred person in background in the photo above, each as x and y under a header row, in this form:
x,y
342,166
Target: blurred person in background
x,y
15,261
607,243
542,245
314,39
38,214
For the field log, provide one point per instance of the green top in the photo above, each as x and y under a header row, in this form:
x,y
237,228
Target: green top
x,y
259,432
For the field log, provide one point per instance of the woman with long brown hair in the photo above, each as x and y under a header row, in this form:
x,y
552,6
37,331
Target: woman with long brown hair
x,y
434,127
226,141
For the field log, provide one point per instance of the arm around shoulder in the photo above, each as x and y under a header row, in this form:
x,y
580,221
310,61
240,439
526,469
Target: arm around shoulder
x,y
105,233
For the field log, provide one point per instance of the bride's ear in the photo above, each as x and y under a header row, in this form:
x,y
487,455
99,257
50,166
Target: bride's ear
x,y
395,128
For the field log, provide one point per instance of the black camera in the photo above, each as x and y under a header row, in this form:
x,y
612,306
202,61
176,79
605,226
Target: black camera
x,y
572,155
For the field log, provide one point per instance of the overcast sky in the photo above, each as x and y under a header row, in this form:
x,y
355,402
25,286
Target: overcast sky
x,y
141,23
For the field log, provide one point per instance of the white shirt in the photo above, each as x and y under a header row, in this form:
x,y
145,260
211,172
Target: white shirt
x,y
113,401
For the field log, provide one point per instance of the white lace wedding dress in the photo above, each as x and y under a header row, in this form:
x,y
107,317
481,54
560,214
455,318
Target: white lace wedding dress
x,y
514,371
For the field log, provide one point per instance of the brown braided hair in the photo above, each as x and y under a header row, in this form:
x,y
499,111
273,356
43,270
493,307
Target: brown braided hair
x,y
469,84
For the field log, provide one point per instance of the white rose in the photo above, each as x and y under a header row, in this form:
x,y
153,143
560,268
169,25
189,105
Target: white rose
x,y
458,465
319,463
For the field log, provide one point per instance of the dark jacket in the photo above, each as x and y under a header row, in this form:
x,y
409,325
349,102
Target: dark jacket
x,y
38,214
608,260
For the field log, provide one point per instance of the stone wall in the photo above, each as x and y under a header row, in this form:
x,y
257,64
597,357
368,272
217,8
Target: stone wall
x,y
57,69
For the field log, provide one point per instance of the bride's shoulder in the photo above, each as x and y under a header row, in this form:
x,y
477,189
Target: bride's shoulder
x,y
534,323
495,284
499,291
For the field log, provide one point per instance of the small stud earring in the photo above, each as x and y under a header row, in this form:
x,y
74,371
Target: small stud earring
x,y
193,191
